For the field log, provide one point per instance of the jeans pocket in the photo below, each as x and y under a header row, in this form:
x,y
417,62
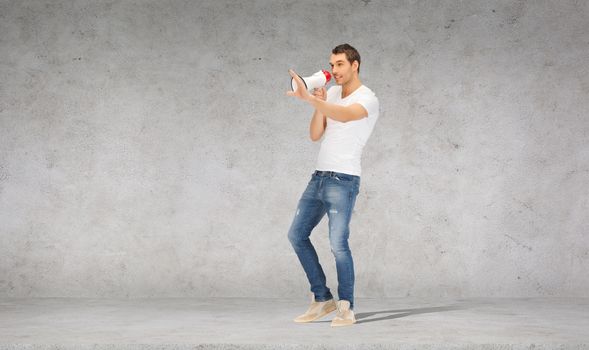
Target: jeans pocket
x,y
344,178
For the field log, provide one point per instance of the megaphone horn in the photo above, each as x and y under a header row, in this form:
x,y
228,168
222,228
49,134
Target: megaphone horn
x,y
316,80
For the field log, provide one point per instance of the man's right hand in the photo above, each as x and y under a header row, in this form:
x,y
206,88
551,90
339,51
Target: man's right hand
x,y
320,93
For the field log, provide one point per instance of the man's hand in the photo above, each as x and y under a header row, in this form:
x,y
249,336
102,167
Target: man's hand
x,y
301,91
334,111
320,93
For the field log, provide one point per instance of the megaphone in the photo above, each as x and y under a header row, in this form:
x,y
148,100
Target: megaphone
x,y
316,80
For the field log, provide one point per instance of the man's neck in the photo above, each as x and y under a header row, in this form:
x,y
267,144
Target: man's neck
x,y
350,87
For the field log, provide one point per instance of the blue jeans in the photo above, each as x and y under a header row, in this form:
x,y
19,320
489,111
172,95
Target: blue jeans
x,y
333,193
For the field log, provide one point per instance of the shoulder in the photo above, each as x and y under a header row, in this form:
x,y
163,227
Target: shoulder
x,y
367,91
367,94
367,98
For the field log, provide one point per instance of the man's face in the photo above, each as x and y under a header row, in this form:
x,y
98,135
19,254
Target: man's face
x,y
341,69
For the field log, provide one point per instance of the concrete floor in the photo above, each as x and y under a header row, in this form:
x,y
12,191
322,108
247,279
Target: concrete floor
x,y
231,323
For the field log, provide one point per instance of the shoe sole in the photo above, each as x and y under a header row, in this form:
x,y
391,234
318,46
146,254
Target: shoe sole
x,y
342,324
327,312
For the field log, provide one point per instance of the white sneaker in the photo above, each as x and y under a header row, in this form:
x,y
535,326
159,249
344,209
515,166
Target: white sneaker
x,y
345,315
316,310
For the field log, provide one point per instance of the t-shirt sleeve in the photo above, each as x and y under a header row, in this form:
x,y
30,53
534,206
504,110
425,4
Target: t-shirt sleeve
x,y
370,103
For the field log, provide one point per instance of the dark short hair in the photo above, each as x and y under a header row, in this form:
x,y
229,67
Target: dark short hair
x,y
351,53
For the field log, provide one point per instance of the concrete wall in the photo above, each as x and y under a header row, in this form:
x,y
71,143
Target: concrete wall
x,y
147,148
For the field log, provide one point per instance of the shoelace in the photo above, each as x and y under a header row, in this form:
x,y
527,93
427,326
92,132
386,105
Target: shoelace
x,y
340,311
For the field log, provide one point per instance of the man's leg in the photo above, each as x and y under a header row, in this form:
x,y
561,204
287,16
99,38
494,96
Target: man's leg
x,y
309,212
339,199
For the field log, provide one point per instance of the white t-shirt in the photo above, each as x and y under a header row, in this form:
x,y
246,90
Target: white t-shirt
x,y
341,148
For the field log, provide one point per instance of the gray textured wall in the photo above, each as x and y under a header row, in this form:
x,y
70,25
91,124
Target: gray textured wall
x,y
147,148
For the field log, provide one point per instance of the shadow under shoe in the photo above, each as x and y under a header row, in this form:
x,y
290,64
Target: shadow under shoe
x,y
316,310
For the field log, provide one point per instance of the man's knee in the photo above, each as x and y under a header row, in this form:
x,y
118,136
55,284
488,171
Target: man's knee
x,y
298,234
295,235
339,246
292,238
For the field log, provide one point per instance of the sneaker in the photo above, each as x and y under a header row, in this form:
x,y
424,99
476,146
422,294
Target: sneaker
x,y
345,315
317,310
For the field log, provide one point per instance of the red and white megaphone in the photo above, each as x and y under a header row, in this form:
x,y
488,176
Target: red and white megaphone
x,y
316,80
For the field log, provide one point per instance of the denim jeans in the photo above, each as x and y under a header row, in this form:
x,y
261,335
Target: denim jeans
x,y
333,193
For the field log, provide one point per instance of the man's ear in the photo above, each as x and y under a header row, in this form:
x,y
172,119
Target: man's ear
x,y
355,64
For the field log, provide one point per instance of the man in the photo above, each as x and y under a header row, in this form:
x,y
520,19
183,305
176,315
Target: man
x,y
346,114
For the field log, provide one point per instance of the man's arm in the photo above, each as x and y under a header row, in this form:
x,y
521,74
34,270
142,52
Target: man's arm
x,y
317,126
340,113
337,112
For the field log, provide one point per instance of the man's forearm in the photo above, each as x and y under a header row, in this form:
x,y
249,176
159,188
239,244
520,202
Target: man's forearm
x,y
337,112
317,126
